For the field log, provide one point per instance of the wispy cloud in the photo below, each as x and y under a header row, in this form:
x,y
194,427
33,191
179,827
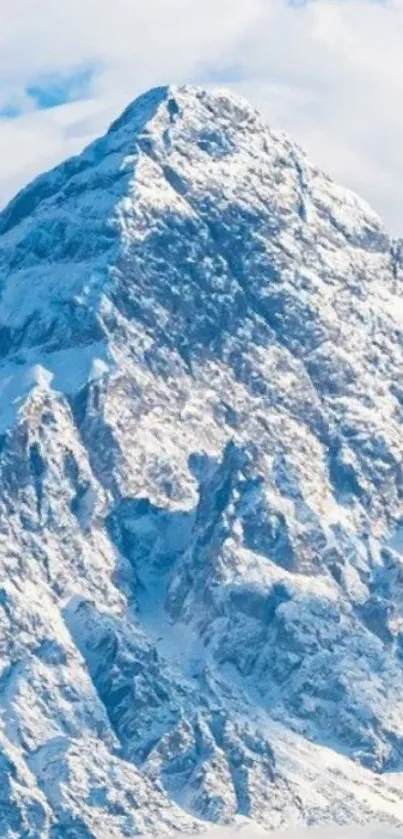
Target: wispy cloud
x,y
328,71
244,831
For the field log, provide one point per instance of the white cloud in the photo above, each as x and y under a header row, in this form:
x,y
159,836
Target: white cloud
x,y
244,831
328,71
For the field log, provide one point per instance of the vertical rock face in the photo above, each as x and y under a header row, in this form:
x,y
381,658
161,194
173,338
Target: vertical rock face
x,y
201,519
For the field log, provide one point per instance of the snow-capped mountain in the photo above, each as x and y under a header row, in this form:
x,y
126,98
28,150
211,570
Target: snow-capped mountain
x,y
201,513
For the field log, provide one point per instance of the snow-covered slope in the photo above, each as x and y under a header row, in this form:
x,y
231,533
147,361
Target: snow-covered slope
x,y
201,523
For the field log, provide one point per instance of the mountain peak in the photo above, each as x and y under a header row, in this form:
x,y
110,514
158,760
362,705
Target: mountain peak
x,y
201,507
177,99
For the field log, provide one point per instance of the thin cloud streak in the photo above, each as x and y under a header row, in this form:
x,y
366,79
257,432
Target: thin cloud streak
x,y
244,831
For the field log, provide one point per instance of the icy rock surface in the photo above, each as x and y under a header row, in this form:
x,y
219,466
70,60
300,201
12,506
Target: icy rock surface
x,y
201,523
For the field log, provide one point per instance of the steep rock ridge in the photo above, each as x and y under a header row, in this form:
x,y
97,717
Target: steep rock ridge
x,y
201,519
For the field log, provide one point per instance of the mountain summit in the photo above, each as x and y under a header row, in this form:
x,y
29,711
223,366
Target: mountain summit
x,y
201,515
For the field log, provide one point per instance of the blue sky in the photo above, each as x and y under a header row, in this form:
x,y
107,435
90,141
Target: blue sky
x,y
49,90
330,72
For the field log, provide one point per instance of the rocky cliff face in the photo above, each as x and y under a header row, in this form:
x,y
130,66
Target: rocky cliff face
x,y
201,518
